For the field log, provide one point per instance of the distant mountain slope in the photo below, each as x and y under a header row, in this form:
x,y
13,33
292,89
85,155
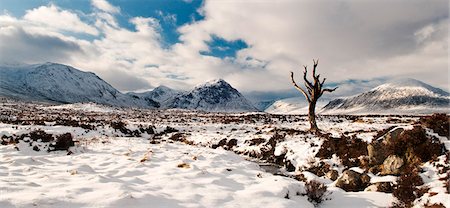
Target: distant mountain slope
x,y
403,96
161,94
295,105
62,84
58,83
215,96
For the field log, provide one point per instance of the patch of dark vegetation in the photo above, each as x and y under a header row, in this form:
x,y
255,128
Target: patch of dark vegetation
x,y
180,137
63,142
406,190
320,170
289,131
74,123
149,129
255,142
346,148
38,137
435,205
315,191
122,127
232,143
221,143
169,130
438,122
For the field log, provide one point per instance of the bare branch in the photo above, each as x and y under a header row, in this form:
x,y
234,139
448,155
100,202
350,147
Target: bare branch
x,y
299,88
323,81
308,84
316,62
329,90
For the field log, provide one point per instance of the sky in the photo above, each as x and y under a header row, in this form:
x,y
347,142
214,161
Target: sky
x,y
136,45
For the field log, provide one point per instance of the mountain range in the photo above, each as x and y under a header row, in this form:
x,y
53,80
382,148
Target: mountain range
x,y
402,96
58,83
399,96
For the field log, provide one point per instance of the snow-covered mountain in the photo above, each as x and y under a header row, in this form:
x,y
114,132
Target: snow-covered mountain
x,y
402,96
162,94
214,96
60,83
294,105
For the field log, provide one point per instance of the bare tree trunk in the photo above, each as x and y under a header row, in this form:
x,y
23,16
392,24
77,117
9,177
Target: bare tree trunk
x,y
312,117
314,90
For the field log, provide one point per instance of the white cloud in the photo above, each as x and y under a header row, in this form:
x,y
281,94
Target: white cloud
x,y
55,18
347,36
105,6
353,39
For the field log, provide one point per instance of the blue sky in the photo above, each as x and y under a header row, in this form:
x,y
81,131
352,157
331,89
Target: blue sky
x,y
254,44
170,13
185,12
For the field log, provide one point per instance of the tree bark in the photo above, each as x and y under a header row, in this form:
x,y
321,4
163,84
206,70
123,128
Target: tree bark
x,y
312,116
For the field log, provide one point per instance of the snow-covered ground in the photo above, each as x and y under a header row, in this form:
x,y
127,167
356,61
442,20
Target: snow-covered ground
x,y
108,168
130,172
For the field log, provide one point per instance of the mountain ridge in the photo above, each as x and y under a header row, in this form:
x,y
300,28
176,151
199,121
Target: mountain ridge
x,y
398,96
58,83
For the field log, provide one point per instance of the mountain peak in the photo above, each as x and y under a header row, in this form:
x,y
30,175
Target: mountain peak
x,y
214,82
60,83
410,84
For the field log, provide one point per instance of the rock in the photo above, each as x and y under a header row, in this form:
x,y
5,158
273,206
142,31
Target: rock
x,y
376,154
392,135
365,179
332,174
392,165
352,181
385,187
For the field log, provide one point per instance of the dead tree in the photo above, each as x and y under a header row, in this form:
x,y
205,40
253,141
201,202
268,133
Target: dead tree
x,y
314,91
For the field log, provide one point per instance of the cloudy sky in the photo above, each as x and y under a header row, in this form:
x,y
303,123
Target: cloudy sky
x,y
140,44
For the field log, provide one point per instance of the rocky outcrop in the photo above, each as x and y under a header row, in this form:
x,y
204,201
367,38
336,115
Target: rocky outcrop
x,y
332,174
353,181
392,165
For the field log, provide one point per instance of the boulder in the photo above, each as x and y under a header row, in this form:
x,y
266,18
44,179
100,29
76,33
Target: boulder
x,y
392,135
376,153
352,181
332,174
385,187
392,165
